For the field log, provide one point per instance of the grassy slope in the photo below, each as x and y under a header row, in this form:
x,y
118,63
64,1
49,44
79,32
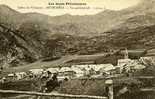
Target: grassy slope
x,y
49,64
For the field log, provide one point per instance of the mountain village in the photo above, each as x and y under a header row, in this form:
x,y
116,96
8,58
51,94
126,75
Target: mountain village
x,y
124,66
105,55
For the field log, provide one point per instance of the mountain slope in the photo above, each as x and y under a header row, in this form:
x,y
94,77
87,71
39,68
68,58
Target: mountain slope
x,y
137,38
41,36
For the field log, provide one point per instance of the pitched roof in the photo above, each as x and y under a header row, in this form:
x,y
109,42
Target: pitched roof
x,y
65,69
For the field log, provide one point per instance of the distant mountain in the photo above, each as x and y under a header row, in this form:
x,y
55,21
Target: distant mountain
x,y
84,25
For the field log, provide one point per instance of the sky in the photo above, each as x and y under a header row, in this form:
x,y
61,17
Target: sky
x,y
95,6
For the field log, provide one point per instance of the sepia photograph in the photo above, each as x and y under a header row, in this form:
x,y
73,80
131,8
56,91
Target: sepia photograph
x,y
77,49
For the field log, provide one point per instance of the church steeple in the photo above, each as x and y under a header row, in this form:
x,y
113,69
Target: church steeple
x,y
126,56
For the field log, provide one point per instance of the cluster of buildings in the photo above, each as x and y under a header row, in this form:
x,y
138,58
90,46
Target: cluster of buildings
x,y
76,71
125,65
73,71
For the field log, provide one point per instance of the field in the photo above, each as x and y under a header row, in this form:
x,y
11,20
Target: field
x,y
63,61
95,87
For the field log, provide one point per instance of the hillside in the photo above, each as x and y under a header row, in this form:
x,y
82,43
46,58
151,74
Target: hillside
x,y
36,36
138,38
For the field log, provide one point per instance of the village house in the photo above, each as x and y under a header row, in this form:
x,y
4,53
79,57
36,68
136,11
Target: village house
x,y
20,75
10,77
85,66
36,71
78,71
107,68
65,72
128,65
94,69
53,70
135,65
122,63
147,60
3,80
